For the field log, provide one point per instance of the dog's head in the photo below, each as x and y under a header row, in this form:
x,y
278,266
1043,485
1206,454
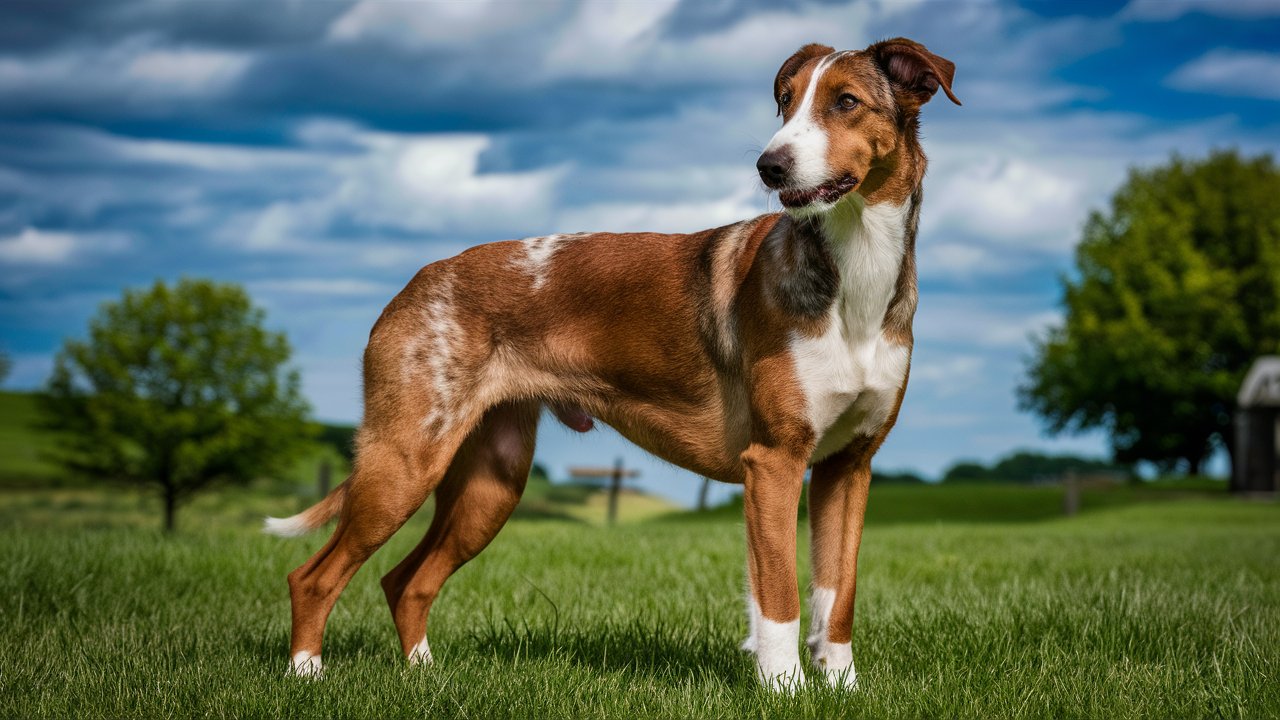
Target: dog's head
x,y
846,114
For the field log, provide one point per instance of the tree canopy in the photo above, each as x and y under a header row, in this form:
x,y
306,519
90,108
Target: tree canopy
x,y
177,387
1176,292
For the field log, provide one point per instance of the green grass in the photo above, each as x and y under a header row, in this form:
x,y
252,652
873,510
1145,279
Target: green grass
x,y
997,502
1137,609
23,445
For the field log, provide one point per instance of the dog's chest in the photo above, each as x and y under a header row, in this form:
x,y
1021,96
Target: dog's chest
x,y
851,373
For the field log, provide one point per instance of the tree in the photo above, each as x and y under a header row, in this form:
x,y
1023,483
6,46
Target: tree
x,y
1027,466
177,388
1177,291
5,366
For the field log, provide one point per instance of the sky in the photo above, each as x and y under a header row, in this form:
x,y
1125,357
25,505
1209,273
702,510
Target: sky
x,y
319,153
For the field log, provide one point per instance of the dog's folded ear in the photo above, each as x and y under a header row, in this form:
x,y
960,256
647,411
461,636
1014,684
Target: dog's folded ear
x,y
913,70
793,65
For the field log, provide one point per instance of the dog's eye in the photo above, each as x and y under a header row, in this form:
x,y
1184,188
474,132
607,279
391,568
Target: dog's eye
x,y
848,102
784,99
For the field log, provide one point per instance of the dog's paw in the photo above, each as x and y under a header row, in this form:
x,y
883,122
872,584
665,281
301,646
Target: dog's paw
x,y
421,653
305,665
781,678
749,645
836,662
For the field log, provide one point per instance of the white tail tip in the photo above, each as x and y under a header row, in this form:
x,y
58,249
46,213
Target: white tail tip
x,y
286,527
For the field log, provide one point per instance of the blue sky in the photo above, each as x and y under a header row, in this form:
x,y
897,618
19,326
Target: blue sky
x,y
320,152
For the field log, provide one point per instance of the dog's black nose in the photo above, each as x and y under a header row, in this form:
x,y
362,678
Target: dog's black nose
x,y
775,166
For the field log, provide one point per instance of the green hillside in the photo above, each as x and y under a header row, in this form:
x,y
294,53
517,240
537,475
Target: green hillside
x,y
23,445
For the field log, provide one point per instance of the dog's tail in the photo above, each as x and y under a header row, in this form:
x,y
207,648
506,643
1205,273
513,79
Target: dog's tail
x,y
311,518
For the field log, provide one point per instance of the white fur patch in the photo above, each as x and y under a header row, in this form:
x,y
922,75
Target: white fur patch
x,y
286,527
538,253
821,600
850,375
777,653
421,653
304,664
442,331
806,138
834,659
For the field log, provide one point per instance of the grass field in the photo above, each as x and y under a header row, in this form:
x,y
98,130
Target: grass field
x,y
1133,609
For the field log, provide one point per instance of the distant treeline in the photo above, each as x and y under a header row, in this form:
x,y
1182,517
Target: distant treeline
x,y
340,437
1020,467
1032,467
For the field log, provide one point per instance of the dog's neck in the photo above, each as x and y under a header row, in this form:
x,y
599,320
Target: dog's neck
x,y
868,238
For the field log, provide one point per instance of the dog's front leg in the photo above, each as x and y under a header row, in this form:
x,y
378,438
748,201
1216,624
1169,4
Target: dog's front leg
x,y
838,493
773,483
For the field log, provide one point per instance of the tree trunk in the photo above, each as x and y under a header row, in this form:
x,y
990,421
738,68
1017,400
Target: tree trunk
x,y
1193,464
170,509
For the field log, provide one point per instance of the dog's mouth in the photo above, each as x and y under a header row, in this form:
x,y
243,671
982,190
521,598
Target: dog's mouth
x,y
827,192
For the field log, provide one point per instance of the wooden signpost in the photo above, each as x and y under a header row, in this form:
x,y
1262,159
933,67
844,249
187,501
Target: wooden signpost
x,y
614,474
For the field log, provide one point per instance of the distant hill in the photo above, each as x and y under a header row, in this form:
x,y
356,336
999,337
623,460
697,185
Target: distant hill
x,y
23,444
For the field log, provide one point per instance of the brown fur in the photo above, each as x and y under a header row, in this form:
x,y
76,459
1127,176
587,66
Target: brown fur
x,y
680,342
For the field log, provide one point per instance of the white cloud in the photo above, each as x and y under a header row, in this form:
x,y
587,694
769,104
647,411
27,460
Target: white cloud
x,y
37,247
950,375
1010,201
33,246
409,184
346,287
1174,9
1231,72
672,217
613,39
413,26
188,70
130,71
976,321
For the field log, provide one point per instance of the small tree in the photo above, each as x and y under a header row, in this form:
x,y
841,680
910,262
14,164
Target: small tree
x,y
5,366
1177,291
177,388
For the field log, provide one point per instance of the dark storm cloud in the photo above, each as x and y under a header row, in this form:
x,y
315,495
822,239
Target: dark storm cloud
x,y
38,25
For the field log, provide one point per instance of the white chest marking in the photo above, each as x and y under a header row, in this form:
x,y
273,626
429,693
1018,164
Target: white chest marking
x,y
850,375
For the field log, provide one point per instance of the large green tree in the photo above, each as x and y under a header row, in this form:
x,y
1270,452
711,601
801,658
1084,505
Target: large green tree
x,y
1176,292
177,387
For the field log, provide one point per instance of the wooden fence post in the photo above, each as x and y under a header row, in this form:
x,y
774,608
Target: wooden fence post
x,y
614,488
1071,493
326,471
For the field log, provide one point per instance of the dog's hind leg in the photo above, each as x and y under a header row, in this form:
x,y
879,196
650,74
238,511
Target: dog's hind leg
x,y
838,494
477,497
391,480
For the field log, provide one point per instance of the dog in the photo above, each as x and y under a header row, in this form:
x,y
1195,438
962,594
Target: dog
x,y
747,353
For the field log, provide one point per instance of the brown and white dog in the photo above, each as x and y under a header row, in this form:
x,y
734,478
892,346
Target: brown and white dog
x,y
747,354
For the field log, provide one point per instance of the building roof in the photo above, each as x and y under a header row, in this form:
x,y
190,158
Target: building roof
x,y
1261,387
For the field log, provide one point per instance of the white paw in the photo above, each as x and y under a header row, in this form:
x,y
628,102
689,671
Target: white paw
x,y
782,679
749,645
421,653
304,664
836,662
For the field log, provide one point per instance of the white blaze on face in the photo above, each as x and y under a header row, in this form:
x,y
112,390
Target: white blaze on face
x,y
805,137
